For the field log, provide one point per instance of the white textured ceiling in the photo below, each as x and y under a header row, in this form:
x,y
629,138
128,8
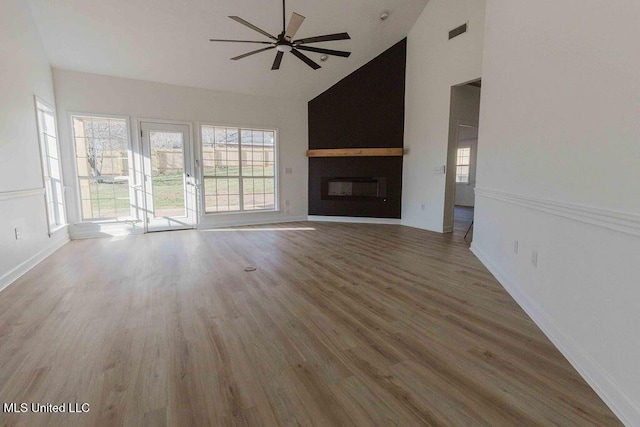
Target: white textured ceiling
x,y
167,40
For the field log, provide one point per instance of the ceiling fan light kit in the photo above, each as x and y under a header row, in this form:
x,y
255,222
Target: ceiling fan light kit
x,y
284,48
284,42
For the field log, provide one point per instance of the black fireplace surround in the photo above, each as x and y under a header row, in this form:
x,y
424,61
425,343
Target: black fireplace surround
x,y
364,110
384,174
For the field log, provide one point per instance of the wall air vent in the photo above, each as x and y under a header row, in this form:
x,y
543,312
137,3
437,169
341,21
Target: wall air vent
x,y
457,31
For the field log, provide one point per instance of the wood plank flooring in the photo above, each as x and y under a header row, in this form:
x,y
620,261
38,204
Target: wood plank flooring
x,y
340,325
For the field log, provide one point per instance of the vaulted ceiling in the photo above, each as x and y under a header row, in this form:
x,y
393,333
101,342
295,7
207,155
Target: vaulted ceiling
x,y
167,40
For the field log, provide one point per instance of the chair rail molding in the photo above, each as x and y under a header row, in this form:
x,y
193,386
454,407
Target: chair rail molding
x,y
623,222
16,194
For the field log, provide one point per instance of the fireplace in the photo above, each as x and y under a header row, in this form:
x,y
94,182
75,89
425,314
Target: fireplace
x,y
353,188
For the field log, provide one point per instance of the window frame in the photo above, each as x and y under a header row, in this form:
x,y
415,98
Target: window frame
x,y
41,105
131,153
276,170
468,165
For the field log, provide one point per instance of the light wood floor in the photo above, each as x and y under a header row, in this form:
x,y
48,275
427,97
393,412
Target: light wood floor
x,y
340,325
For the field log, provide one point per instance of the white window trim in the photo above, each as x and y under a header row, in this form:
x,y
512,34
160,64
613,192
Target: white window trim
x,y
51,228
468,181
132,167
200,169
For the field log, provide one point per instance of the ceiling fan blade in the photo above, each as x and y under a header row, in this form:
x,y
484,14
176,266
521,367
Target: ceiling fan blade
x,y
253,27
278,61
294,24
327,38
326,51
304,58
252,53
239,41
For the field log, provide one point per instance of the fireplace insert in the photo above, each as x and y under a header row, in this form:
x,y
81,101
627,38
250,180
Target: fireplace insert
x,y
353,188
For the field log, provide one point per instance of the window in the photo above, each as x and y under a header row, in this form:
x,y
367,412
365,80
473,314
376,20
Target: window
x,y
462,168
51,169
102,159
239,169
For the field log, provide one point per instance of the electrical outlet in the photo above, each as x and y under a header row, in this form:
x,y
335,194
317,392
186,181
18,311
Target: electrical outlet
x,y
423,206
534,259
516,245
286,203
18,233
288,171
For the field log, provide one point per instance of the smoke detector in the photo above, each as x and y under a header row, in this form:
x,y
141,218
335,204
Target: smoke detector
x,y
323,58
384,15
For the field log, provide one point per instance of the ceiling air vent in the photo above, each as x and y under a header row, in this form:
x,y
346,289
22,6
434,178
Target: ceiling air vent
x,y
457,31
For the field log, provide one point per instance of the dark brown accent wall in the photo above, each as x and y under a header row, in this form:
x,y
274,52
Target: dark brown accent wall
x,y
363,110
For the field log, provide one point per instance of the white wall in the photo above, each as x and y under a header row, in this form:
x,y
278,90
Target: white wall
x,y
91,93
558,171
434,65
24,72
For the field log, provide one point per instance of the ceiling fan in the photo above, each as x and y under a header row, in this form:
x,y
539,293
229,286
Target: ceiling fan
x,y
285,43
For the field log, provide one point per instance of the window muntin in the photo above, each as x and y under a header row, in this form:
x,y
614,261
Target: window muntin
x,y
463,165
239,168
102,159
51,167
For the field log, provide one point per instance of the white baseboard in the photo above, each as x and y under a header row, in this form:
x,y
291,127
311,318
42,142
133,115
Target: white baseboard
x,y
210,225
606,387
354,219
58,241
92,231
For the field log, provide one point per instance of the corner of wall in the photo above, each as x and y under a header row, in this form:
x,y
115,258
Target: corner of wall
x,y
57,241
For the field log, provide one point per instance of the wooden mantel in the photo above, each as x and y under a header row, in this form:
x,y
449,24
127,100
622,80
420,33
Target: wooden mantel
x,y
357,152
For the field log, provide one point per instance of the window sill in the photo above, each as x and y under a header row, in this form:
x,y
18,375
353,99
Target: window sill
x,y
57,229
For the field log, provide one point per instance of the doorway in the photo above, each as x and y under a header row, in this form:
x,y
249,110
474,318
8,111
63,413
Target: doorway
x,y
465,176
461,160
168,184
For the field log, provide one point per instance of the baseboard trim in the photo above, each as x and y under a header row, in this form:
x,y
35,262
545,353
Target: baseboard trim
x,y
623,222
354,219
19,271
242,222
606,387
